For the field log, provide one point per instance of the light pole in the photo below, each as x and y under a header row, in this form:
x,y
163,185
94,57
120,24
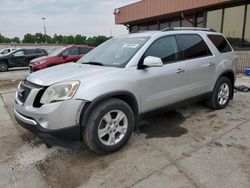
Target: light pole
x,y
44,28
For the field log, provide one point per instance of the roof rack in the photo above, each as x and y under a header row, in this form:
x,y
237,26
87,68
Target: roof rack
x,y
188,28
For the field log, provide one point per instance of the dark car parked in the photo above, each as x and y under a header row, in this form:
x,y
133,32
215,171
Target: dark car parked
x,y
59,56
20,58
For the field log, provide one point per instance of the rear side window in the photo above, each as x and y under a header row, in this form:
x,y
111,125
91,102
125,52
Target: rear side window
x,y
165,48
220,43
84,50
193,46
32,51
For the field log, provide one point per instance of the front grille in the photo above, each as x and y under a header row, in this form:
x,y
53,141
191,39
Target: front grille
x,y
23,92
24,89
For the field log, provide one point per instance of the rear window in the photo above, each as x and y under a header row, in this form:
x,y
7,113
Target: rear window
x,y
84,50
220,43
32,51
193,46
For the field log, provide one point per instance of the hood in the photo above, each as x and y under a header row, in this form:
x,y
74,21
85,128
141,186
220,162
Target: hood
x,y
39,59
66,72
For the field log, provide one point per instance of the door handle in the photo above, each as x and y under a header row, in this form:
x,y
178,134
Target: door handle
x,y
211,64
180,70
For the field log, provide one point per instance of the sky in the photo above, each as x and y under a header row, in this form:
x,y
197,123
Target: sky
x,y
67,17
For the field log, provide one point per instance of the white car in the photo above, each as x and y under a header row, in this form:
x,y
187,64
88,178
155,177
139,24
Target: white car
x,y
7,51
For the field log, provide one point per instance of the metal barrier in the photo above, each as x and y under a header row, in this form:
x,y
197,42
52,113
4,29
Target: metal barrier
x,y
243,60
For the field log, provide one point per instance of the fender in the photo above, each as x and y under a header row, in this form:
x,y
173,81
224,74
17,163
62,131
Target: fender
x,y
232,80
118,94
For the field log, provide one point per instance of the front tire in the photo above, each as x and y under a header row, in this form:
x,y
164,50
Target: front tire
x,y
109,126
3,66
221,94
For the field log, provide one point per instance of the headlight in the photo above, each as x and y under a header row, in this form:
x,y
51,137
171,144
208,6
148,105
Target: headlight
x,y
60,92
41,62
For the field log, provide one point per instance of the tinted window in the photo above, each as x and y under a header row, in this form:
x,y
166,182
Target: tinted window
x,y
32,51
164,25
175,23
18,53
165,48
71,51
193,46
152,26
84,50
220,43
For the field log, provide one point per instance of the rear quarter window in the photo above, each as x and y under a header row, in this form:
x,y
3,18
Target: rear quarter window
x,y
220,43
193,46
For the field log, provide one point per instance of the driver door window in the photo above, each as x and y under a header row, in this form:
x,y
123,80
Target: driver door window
x,y
165,48
71,52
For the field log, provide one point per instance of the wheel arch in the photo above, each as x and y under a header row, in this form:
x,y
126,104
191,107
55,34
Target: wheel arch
x,y
231,76
125,96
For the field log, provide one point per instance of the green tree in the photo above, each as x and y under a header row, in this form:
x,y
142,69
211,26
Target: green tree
x,y
79,39
15,40
29,38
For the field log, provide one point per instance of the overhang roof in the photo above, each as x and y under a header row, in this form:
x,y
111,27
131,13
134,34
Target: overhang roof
x,y
149,9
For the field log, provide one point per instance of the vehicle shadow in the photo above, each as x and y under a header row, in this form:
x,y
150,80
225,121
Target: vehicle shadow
x,y
163,125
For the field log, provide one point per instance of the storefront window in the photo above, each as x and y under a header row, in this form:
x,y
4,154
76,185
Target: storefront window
x,y
143,28
200,21
214,19
134,29
233,25
187,22
247,30
164,25
175,23
152,26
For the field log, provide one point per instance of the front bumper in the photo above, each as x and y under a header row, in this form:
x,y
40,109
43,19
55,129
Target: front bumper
x,y
56,123
69,137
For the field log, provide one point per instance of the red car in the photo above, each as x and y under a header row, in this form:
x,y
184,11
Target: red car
x,y
67,54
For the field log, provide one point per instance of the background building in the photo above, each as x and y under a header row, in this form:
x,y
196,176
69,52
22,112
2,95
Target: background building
x,y
231,17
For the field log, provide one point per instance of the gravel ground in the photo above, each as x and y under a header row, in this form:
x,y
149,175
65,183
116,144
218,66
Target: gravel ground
x,y
190,147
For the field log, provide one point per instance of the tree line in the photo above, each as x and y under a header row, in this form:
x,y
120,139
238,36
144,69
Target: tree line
x,y
40,38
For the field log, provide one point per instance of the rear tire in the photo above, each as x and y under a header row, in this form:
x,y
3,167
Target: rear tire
x,y
221,94
109,126
3,66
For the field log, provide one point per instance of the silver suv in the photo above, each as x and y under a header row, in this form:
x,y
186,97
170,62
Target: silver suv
x,y
98,100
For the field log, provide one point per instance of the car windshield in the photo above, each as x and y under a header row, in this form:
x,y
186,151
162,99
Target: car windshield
x,y
56,51
116,52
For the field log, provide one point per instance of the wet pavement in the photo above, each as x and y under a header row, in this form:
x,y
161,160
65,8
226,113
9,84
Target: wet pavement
x,y
192,146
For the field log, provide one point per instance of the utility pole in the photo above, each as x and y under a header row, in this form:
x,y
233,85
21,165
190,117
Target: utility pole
x,y
44,28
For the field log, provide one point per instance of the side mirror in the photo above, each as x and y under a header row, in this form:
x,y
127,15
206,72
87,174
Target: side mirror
x,y
152,61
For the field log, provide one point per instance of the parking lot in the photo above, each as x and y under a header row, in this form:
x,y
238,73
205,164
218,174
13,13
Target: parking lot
x,y
193,146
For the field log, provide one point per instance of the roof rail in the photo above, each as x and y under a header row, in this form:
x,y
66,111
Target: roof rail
x,y
188,28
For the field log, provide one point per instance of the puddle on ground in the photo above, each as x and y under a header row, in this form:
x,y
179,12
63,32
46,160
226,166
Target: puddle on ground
x,y
165,125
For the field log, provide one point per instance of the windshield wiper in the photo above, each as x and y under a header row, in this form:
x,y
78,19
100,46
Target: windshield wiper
x,y
93,63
